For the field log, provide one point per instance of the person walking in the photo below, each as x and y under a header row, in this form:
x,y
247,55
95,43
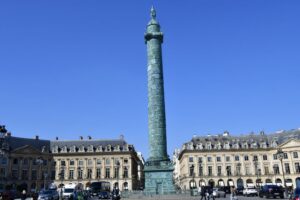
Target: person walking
x,y
203,193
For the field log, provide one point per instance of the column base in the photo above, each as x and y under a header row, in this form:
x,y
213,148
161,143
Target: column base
x,y
159,178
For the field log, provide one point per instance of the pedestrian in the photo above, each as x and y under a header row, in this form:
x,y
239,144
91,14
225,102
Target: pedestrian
x,y
23,195
203,193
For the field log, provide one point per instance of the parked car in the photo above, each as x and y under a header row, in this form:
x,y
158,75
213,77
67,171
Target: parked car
x,y
104,195
239,190
48,195
219,192
250,191
271,191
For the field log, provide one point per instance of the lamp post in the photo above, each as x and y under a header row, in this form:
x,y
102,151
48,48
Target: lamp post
x,y
61,177
280,156
45,180
255,162
118,171
39,161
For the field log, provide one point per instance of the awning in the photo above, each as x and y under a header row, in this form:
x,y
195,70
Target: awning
x,y
221,183
231,183
289,184
250,185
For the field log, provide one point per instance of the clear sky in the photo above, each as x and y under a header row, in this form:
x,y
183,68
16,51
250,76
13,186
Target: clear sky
x,y
71,68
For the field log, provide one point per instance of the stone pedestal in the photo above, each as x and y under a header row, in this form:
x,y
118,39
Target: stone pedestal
x,y
159,177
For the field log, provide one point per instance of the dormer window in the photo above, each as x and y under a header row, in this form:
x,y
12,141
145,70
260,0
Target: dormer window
x,y
208,146
64,149
81,149
90,148
274,143
108,148
245,145
55,149
226,145
99,149
254,145
73,149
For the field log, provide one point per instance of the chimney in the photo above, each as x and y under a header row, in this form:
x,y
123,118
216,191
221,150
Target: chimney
x,y
121,137
8,134
56,138
36,137
89,137
81,138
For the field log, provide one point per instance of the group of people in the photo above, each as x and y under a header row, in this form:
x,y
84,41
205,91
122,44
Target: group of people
x,y
206,193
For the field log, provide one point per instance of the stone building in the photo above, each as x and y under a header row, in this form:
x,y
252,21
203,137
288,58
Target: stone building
x,y
252,159
33,164
25,163
85,161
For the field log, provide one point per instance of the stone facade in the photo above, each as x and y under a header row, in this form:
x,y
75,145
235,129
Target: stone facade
x,y
33,164
251,159
86,161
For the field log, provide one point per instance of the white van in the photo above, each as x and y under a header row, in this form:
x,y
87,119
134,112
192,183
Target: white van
x,y
68,191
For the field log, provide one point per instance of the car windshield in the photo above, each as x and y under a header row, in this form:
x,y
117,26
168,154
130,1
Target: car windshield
x,y
69,190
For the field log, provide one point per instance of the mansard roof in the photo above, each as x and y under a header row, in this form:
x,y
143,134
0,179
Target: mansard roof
x,y
18,142
86,143
279,137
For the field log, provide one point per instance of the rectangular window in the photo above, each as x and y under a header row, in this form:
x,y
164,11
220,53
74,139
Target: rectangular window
x,y
219,170
14,174
191,159
71,174
24,175
125,173
2,172
71,162
285,156
297,167
90,162
246,158
200,170
63,163
209,170
287,168
209,159
247,170
116,174
274,156
53,175
107,172
237,158
80,162
98,173
265,157
255,157
276,169
4,161
125,161
98,161
33,175
228,170
266,170
295,154
80,173
89,173
191,172
218,159
200,160
227,158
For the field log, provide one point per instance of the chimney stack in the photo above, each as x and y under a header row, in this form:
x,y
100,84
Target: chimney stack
x,y
89,137
81,138
8,134
36,137
56,138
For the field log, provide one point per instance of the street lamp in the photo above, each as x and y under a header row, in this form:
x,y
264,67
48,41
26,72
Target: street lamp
x,y
39,161
255,162
280,156
61,177
45,179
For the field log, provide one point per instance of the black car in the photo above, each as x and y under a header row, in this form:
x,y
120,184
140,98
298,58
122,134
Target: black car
x,y
104,195
271,191
239,190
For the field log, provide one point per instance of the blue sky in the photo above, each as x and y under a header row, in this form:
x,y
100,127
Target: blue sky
x,y
72,68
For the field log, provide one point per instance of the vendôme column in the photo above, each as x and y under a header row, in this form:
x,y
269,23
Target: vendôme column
x,y
158,168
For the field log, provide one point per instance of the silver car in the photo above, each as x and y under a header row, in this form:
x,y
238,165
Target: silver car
x,y
48,195
218,192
